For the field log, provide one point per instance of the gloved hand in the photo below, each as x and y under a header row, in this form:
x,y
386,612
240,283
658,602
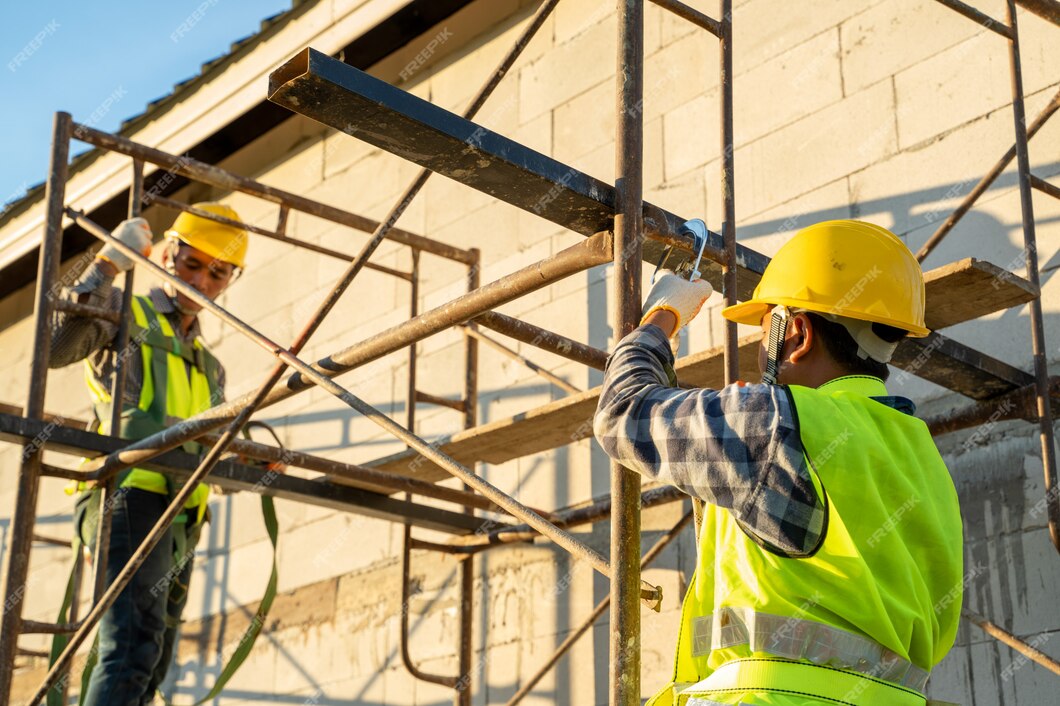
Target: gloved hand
x,y
677,295
135,233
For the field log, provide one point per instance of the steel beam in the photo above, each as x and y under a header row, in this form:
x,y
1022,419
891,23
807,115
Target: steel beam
x,y
343,97
235,476
1048,10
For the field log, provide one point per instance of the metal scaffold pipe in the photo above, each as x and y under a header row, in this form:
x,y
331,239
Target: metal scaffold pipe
x,y
593,251
624,644
509,504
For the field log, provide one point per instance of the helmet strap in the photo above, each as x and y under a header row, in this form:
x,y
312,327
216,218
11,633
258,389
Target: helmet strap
x,y
869,344
778,331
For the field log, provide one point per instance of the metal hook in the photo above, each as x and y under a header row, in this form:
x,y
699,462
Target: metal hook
x,y
698,230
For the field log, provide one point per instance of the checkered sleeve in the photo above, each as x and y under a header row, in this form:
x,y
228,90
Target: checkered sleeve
x,y
75,337
737,447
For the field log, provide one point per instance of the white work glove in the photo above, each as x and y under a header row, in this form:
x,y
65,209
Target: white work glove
x,y
677,295
135,233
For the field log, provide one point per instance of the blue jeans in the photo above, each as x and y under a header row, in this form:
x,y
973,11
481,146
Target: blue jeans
x,y
137,633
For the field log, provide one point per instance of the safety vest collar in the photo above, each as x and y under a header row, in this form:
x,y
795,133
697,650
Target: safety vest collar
x,y
163,304
864,385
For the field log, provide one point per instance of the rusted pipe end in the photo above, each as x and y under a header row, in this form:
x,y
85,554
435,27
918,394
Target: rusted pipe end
x,y
651,596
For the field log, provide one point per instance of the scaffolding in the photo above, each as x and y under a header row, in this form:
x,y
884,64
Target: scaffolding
x,y
619,228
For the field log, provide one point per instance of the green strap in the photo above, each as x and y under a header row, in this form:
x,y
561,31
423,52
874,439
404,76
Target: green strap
x,y
59,641
246,643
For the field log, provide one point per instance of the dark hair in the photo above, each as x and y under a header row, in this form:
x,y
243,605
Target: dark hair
x,y
844,349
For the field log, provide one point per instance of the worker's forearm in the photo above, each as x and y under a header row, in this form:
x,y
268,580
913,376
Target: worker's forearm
x,y
664,319
75,337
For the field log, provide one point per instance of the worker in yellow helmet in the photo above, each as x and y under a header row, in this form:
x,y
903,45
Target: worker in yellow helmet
x,y
830,554
170,375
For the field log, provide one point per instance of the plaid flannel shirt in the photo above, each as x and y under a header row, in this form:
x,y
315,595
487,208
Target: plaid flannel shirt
x,y
737,447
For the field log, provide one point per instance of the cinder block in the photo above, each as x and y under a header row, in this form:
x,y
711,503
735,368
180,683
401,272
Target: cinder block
x,y
950,677
687,139
967,81
685,195
550,81
768,28
889,37
577,17
230,580
816,150
797,82
770,229
679,72
585,122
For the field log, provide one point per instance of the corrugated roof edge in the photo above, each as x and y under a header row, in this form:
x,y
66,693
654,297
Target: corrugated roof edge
x,y
155,108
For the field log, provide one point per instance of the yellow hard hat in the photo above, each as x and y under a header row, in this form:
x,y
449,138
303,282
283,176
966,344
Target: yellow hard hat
x,y
220,241
846,268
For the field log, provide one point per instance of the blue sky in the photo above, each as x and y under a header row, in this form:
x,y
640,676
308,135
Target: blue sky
x,y
103,60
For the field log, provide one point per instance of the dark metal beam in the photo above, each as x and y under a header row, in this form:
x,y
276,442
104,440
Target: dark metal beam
x,y
340,96
235,476
957,367
1048,10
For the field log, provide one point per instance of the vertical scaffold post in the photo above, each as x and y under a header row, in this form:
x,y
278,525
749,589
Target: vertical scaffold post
x,y
1030,249
21,538
467,566
728,186
117,395
629,225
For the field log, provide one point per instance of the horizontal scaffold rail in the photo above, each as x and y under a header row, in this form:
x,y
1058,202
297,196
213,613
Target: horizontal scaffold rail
x,y
236,476
937,359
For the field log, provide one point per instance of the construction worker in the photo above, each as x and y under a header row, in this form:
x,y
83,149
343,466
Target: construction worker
x,y
170,375
830,554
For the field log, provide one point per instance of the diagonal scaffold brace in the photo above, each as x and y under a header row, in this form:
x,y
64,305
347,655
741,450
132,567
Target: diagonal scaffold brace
x,y
651,595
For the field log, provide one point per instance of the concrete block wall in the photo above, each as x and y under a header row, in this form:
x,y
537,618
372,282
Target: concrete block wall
x,y
884,111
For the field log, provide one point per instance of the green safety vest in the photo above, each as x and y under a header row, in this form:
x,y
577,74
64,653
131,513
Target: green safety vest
x,y
864,617
168,393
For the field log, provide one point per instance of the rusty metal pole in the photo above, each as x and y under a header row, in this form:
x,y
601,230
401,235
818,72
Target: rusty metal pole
x,y
21,538
117,396
568,642
624,645
1041,364
728,188
467,566
406,544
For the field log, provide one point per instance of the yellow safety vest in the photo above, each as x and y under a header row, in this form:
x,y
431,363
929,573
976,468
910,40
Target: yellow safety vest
x,y
168,393
865,616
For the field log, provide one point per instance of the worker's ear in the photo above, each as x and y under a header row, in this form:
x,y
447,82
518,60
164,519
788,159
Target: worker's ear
x,y
802,337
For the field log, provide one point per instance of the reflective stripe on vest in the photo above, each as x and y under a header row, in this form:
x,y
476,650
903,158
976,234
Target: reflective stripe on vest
x,y
795,639
800,679
170,391
880,595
